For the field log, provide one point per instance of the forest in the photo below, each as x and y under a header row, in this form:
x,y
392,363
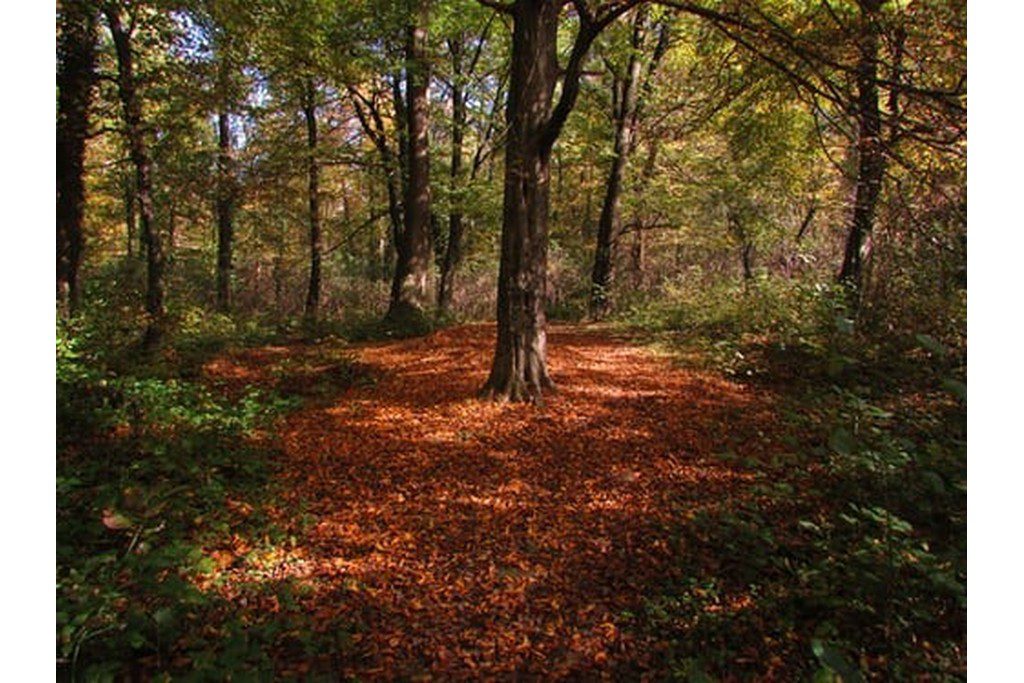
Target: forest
x,y
511,340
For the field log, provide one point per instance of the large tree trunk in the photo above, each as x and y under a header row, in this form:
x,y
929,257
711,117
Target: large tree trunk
x,y
519,370
143,181
624,117
75,76
453,251
225,210
409,292
871,162
315,239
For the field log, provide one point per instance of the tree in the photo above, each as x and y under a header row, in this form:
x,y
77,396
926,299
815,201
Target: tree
x,y
313,183
409,291
870,158
519,369
465,41
225,24
225,207
139,153
76,57
368,111
629,89
294,45
924,106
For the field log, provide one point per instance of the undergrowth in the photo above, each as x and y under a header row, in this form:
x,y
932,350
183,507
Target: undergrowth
x,y
847,557
154,472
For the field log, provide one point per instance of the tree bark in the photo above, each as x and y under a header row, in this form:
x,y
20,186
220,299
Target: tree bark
x,y
871,162
639,247
315,238
409,292
131,219
225,210
75,77
747,256
631,101
139,154
624,117
519,369
739,233
453,251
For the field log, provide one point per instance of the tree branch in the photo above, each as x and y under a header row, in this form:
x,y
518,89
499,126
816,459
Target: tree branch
x,y
497,5
590,27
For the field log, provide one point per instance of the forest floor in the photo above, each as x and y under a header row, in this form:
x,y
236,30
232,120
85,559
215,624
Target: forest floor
x,y
445,536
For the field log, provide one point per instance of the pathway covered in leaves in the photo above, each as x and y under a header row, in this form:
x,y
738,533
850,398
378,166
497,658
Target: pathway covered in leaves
x,y
468,539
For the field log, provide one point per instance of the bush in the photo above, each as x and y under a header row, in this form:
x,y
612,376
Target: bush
x,y
146,468
851,545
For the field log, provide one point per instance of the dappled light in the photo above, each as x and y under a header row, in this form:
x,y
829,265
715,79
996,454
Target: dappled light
x,y
474,538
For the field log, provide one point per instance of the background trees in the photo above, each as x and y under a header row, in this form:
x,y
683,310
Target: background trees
x,y
76,55
705,142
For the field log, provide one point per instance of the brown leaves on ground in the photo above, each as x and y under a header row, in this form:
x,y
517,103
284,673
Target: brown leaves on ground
x,y
469,539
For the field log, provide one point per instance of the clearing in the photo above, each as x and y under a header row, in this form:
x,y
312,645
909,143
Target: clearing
x,y
461,538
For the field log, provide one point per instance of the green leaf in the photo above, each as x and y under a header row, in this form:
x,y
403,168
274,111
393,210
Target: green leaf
x,y
930,343
934,482
692,671
834,660
136,639
115,520
163,617
841,441
955,387
824,675
809,525
844,324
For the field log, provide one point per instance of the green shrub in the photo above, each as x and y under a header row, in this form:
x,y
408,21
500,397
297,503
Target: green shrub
x,y
146,464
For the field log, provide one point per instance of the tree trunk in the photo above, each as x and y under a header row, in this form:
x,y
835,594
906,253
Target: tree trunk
x,y
143,181
871,162
225,211
172,227
453,251
315,239
395,218
637,257
519,370
279,245
409,292
624,118
639,248
75,76
131,218
747,256
746,247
